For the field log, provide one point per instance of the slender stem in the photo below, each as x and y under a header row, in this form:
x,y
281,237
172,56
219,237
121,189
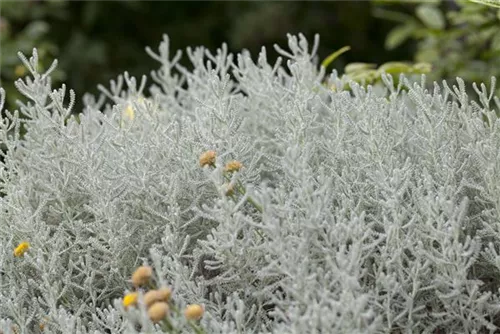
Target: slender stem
x,y
168,327
197,330
241,189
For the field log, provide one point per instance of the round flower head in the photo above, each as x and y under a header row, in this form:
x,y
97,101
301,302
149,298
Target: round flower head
x,y
158,311
233,166
130,299
193,312
21,249
207,158
161,295
142,275
165,294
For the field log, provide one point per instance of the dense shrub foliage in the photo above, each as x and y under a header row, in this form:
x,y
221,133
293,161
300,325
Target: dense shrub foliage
x,y
253,190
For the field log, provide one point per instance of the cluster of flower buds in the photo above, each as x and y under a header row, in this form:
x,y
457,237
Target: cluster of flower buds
x,y
158,301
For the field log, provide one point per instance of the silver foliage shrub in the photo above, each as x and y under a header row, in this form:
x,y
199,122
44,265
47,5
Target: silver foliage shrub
x,y
379,207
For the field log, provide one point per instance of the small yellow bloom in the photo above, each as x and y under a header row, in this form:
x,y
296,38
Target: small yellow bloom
x,y
142,275
158,311
193,312
130,299
129,112
207,158
233,166
20,70
21,248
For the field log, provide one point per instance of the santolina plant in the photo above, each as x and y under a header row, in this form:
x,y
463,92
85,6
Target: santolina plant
x,y
248,197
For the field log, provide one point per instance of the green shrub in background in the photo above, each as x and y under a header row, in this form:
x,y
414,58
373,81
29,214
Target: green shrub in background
x,y
23,24
368,74
459,38
92,46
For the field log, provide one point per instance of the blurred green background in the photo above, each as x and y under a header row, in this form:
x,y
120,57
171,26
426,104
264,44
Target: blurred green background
x,y
95,41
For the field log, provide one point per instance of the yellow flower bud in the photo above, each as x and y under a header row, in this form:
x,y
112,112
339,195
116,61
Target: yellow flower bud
x,y
233,166
142,275
165,294
158,311
193,312
207,158
21,249
161,295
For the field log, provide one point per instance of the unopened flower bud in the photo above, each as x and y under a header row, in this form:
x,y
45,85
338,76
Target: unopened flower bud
x,y
233,166
193,312
161,295
207,158
142,275
158,311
